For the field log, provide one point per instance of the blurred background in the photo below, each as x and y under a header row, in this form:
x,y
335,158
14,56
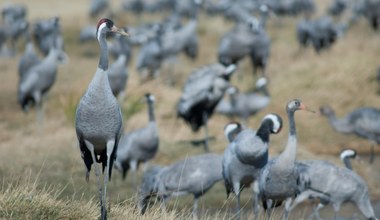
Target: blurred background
x,y
340,69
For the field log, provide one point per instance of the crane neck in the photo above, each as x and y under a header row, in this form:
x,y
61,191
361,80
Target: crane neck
x,y
288,156
264,131
151,111
340,125
103,60
347,163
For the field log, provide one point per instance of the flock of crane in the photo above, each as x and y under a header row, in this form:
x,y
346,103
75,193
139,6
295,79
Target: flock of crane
x,y
245,163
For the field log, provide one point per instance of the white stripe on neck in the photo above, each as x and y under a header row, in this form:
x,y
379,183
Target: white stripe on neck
x,y
103,25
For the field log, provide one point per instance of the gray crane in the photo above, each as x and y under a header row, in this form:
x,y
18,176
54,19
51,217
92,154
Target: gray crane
x,y
245,39
371,12
279,178
118,71
244,105
322,33
192,175
246,155
138,146
363,122
47,33
28,59
98,119
332,185
35,83
97,7
203,90
165,46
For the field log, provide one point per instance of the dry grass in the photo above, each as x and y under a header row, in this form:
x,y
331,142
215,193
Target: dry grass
x,y
49,159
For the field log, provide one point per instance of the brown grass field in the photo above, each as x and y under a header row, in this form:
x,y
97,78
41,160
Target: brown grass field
x,y
42,174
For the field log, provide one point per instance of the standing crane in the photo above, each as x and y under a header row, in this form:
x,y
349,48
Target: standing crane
x,y
98,119
363,122
203,90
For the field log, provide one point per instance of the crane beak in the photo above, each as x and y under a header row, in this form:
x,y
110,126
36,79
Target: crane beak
x,y
119,30
303,107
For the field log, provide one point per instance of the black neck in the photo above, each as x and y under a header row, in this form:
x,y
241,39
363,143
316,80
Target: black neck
x,y
347,163
264,131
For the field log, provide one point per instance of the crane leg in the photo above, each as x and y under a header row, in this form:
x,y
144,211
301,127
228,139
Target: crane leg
x,y
110,147
206,147
237,193
269,203
256,192
195,208
90,147
288,202
372,156
133,165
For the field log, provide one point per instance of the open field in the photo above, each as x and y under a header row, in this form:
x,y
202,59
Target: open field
x,y
42,166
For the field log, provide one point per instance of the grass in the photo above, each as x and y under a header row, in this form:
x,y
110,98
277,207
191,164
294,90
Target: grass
x,y
41,169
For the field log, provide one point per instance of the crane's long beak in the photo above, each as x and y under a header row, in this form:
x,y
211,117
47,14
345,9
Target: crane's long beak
x,y
119,30
303,107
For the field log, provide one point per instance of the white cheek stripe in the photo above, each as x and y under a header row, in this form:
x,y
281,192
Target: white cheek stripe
x,y
346,153
229,128
276,122
103,25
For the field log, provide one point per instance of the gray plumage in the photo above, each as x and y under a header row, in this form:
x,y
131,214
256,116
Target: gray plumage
x,y
279,178
47,33
337,7
371,11
97,7
37,81
245,39
363,122
244,105
247,154
98,119
193,175
138,146
87,33
203,90
28,59
118,76
321,33
166,45
14,22
332,185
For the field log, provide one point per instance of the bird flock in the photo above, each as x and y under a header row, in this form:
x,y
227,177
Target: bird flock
x,y
275,180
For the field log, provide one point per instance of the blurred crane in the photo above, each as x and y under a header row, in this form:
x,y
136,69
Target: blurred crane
x,y
138,146
203,90
193,175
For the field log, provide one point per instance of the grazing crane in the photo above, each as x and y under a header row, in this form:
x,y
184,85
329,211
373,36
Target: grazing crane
x,y
332,185
247,154
138,146
37,80
279,178
244,105
193,175
363,122
98,120
203,90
